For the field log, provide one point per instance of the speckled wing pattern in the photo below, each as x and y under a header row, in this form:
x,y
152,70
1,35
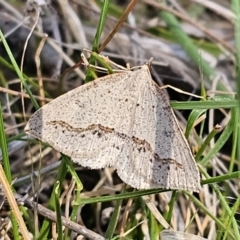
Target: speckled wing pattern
x,y
122,120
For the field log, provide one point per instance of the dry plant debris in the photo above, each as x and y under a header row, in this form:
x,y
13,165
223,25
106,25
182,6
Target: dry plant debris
x,y
192,43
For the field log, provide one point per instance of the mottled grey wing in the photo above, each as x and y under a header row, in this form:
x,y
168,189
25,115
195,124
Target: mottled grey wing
x,y
122,120
158,155
90,123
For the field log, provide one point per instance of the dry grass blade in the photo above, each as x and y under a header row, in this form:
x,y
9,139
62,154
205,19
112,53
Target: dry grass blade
x,y
13,204
129,8
195,40
174,235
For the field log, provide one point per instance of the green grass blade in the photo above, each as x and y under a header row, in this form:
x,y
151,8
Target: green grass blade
x,y
209,104
46,224
206,143
194,115
114,220
186,42
120,196
101,24
4,148
153,226
235,4
171,206
96,42
222,178
221,140
14,226
235,143
58,211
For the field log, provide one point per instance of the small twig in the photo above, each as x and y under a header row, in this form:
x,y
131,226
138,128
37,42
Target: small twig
x,y
69,196
28,38
19,94
129,8
38,66
66,222
23,56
